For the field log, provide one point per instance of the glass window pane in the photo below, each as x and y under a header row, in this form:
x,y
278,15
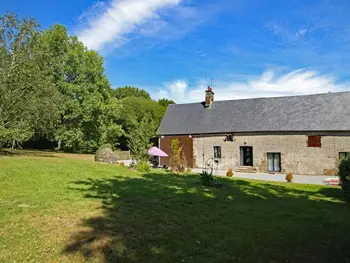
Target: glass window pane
x,y
242,156
217,152
276,162
270,162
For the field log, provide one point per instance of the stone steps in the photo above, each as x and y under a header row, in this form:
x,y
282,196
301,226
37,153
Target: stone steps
x,y
246,169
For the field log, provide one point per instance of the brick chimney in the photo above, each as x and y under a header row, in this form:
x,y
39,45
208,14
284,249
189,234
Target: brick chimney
x,y
209,97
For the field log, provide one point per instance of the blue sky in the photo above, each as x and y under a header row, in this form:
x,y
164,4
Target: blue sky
x,y
174,48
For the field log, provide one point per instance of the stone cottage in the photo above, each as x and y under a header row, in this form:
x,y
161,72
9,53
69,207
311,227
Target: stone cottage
x,y
299,134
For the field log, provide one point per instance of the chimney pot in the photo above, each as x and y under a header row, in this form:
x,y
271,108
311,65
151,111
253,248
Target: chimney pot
x,y
209,97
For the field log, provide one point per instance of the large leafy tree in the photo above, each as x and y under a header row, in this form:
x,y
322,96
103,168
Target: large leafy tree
x,y
88,110
140,119
128,91
28,97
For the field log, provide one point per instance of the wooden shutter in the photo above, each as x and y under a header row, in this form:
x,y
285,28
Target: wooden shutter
x,y
314,141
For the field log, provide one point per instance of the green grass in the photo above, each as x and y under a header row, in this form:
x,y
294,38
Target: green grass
x,y
58,209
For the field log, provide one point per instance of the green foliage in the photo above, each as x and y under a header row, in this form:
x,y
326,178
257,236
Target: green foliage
x,y
105,146
135,109
165,102
28,95
53,87
177,160
139,140
344,175
88,110
207,179
143,167
127,91
140,119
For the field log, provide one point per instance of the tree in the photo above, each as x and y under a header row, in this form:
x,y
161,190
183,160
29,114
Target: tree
x,y
128,91
139,139
27,93
344,175
177,159
88,111
165,102
136,110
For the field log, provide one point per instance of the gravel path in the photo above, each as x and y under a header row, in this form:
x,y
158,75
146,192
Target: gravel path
x,y
299,179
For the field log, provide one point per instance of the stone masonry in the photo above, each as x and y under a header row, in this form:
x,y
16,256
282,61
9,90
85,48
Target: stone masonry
x,y
296,156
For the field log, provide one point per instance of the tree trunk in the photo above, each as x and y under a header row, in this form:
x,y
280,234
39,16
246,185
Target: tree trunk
x,y
13,144
58,145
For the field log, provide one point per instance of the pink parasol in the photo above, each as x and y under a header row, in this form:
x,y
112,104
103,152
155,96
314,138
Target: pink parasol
x,y
155,151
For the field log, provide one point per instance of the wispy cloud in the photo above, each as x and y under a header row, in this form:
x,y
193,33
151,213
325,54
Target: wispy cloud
x,y
269,84
109,24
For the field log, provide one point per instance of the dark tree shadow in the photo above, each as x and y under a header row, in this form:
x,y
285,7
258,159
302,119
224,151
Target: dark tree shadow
x,y
171,218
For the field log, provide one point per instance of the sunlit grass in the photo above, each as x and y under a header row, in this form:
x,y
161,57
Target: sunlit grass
x,y
59,209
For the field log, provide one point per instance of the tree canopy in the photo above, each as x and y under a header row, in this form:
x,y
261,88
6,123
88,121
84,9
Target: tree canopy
x,y
28,95
128,91
88,110
53,87
165,102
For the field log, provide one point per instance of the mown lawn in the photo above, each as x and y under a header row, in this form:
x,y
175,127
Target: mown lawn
x,y
58,209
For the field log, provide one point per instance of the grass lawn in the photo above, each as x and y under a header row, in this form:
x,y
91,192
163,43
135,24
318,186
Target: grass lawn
x,y
59,209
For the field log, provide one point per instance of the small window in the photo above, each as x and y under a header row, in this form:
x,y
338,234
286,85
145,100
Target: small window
x,y
314,141
344,155
217,152
274,162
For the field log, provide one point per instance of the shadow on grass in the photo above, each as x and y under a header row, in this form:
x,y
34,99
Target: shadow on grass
x,y
171,218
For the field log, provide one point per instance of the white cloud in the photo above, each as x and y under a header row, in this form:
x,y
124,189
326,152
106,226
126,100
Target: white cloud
x,y
269,84
120,17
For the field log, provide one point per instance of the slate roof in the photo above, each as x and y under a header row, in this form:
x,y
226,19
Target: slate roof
x,y
321,112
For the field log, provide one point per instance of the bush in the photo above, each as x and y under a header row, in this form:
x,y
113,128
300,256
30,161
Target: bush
x,y
229,172
105,146
207,179
188,170
121,164
177,160
143,167
344,175
289,177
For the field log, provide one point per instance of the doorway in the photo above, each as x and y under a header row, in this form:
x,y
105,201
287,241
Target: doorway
x,y
246,156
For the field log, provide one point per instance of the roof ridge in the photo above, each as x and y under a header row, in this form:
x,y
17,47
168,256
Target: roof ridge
x,y
286,96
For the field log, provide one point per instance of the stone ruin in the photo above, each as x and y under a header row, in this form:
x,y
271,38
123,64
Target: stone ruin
x,y
106,155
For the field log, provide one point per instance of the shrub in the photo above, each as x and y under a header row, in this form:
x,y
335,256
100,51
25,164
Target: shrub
x,y
229,172
188,170
289,177
207,179
143,167
344,175
177,160
121,164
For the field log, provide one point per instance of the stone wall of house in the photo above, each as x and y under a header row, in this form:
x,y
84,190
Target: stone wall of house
x,y
296,156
